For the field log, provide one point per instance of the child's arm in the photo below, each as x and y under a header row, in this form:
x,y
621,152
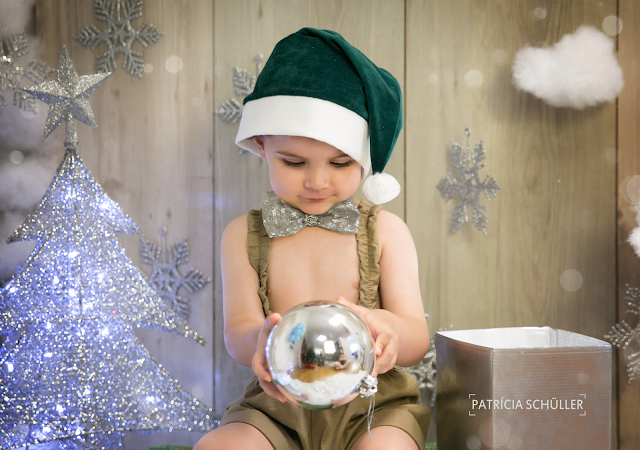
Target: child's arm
x,y
399,328
245,327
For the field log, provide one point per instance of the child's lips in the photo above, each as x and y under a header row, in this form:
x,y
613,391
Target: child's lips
x,y
316,199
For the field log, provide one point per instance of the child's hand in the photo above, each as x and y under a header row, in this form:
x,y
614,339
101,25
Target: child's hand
x,y
259,363
384,333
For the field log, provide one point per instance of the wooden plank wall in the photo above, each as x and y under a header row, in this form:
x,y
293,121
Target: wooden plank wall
x,y
628,166
153,154
556,208
167,160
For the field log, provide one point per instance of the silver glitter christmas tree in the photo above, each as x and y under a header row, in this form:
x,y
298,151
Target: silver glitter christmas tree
x,y
72,373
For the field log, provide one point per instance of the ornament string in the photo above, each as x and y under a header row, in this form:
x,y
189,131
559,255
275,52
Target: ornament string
x,y
368,388
372,405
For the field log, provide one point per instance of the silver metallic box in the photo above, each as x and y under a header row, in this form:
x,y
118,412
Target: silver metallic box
x,y
521,389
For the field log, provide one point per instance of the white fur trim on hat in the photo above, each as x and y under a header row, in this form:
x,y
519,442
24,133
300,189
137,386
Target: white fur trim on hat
x,y
381,188
310,117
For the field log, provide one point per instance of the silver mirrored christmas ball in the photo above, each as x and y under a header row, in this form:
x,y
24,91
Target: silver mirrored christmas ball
x,y
321,355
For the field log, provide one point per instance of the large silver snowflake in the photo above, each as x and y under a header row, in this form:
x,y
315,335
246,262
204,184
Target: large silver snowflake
x,y
165,277
11,73
627,338
119,35
243,84
468,186
425,371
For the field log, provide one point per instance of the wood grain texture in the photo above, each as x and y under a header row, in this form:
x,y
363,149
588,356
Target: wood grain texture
x,y
556,207
244,28
628,166
153,154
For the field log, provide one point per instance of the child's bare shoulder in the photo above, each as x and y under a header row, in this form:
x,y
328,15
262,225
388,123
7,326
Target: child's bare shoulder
x,y
391,228
236,230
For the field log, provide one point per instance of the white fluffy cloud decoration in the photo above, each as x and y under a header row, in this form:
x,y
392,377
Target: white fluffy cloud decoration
x,y
580,70
634,238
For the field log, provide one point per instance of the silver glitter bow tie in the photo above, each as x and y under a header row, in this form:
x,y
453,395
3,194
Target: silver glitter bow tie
x,y
281,219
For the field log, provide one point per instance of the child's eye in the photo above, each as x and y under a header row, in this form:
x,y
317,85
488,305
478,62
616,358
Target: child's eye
x,y
344,164
292,164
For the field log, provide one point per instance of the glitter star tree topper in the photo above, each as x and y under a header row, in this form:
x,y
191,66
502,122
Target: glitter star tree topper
x,y
72,373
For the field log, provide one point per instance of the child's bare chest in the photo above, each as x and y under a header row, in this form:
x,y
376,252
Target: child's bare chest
x,y
314,264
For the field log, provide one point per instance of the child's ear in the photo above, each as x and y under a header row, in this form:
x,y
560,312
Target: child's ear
x,y
259,141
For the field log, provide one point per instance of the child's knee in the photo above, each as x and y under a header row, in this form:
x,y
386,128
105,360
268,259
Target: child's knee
x,y
234,436
385,438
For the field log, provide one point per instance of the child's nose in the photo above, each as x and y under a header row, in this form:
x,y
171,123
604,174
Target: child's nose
x,y
317,179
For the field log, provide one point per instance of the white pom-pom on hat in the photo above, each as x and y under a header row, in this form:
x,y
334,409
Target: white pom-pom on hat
x,y
381,188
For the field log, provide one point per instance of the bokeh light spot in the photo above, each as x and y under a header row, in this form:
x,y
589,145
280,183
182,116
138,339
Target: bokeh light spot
x,y
630,189
583,378
499,55
473,78
571,280
198,391
474,442
16,157
612,25
433,78
540,12
173,64
494,433
148,68
514,443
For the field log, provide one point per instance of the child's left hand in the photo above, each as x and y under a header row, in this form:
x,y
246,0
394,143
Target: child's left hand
x,y
384,333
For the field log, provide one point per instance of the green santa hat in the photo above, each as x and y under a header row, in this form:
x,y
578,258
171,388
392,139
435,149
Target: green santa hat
x,y
317,85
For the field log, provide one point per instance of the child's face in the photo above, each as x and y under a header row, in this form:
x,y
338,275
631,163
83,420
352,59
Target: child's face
x,y
307,174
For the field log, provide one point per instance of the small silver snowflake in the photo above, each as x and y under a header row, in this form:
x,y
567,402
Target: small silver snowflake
x,y
468,186
119,35
165,277
425,371
11,74
243,84
627,338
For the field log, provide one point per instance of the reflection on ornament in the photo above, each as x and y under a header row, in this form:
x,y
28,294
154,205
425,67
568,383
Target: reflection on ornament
x,y
626,338
468,186
165,277
119,35
321,355
243,84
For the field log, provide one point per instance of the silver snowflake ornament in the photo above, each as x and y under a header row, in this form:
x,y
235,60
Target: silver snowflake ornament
x,y
12,74
165,277
119,35
243,84
626,338
468,162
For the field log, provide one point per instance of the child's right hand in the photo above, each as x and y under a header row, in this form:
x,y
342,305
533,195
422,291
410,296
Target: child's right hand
x,y
259,363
